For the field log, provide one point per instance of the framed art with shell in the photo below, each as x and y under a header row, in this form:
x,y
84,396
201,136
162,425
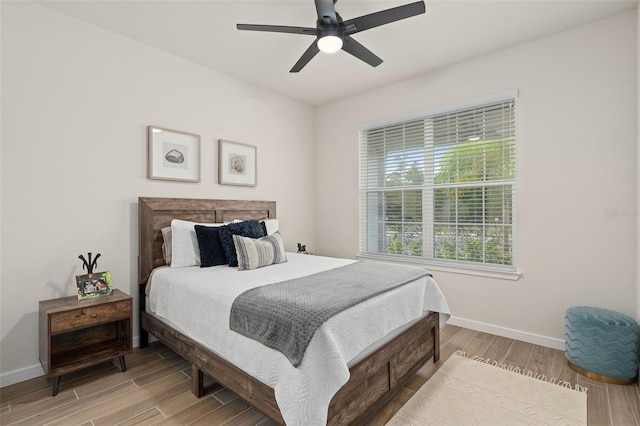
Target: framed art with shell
x,y
173,155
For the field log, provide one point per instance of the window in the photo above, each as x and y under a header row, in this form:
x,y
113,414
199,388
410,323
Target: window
x,y
441,188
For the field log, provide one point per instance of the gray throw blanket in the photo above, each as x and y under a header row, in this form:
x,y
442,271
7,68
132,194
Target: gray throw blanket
x,y
284,316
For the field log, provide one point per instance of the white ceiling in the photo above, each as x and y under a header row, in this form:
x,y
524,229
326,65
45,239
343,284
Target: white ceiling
x,y
450,31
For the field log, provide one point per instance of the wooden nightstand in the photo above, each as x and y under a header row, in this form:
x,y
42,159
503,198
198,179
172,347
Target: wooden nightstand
x,y
75,334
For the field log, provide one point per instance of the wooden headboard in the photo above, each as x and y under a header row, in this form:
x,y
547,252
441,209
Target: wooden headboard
x,y
157,213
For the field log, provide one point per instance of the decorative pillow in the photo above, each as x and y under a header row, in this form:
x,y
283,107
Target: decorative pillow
x,y
184,243
166,244
211,250
271,226
247,228
255,253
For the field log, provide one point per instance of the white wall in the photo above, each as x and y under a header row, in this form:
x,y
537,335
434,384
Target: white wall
x,y
638,162
577,143
76,101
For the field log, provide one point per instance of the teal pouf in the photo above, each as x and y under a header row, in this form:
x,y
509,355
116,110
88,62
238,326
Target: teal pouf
x,y
601,344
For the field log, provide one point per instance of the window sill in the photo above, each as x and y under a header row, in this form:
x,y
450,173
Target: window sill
x,y
454,269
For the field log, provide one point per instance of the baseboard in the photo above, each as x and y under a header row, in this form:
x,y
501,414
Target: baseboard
x,y
28,373
510,333
20,375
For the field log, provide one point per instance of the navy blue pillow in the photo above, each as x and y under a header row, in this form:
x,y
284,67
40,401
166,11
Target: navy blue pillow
x,y
211,250
247,228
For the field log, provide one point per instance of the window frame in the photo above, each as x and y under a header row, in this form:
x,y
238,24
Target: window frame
x,y
428,188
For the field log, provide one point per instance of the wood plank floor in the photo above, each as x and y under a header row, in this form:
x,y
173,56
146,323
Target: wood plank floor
x,y
156,389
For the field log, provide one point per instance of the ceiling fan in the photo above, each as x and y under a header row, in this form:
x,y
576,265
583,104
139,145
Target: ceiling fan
x,y
333,34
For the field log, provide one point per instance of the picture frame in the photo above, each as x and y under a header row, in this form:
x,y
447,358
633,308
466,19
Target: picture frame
x,y
237,163
173,155
94,285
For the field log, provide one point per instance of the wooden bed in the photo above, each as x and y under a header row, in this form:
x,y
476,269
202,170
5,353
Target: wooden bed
x,y
373,381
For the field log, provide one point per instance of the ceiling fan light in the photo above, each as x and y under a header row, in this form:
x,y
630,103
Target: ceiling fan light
x,y
329,44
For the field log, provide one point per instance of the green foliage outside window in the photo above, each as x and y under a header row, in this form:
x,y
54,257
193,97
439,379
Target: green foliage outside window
x,y
471,222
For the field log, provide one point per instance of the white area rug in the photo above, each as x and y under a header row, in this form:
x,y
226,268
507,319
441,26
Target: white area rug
x,y
468,391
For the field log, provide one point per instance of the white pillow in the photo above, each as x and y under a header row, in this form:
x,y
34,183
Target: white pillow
x,y
272,226
184,243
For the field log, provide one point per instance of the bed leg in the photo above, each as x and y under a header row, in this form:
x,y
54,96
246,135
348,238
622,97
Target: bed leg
x,y
144,334
197,381
144,339
436,342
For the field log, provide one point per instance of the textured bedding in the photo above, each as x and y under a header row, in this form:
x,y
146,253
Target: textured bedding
x,y
198,301
285,315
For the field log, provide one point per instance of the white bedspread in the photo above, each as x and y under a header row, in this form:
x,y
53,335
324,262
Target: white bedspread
x,y
198,301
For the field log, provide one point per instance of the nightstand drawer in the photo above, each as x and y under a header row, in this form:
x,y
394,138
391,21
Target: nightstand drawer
x,y
90,315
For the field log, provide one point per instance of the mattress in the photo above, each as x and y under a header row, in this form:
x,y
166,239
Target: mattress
x,y
197,301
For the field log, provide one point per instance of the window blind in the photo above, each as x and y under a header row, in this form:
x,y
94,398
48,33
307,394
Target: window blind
x,y
441,187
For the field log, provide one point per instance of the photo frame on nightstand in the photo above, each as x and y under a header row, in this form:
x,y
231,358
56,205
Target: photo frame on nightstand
x,y
94,285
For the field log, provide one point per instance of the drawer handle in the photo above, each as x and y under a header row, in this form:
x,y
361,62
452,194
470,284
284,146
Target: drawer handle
x,y
94,315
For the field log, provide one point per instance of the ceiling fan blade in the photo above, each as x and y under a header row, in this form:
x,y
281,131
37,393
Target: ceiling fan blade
x,y
326,8
278,29
306,57
351,46
383,17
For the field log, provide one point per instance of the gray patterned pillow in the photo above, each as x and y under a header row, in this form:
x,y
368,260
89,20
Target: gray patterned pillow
x,y
255,253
